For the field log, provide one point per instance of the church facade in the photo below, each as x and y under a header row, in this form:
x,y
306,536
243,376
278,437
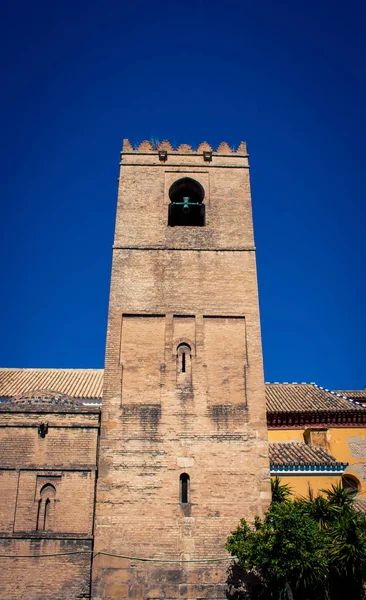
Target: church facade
x,y
160,455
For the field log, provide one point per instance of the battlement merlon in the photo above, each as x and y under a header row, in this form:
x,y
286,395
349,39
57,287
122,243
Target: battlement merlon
x,y
164,153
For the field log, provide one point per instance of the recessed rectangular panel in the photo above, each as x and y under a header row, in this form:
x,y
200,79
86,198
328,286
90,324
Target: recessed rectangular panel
x,y
142,358
225,359
8,487
55,502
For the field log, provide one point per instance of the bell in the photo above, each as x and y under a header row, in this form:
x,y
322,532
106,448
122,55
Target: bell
x,y
186,208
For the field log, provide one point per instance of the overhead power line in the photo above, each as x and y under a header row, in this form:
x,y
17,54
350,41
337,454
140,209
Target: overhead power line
x,y
95,554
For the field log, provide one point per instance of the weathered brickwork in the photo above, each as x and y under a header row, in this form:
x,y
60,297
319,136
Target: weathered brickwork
x,y
179,290
47,479
183,451
57,577
20,443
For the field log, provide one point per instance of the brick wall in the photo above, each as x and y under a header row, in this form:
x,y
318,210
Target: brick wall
x,y
46,502
58,577
173,285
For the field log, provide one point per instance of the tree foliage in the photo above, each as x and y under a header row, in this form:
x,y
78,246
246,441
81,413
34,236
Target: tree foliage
x,y
303,549
280,491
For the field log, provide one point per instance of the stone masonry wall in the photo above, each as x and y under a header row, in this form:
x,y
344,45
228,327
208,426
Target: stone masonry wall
x,y
170,286
46,503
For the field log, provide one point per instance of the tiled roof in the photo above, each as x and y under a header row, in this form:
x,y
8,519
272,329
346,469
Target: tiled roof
x,y
76,383
306,397
355,394
360,505
300,456
42,398
88,383
48,401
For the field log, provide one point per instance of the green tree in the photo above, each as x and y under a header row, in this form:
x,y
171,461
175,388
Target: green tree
x,y
318,509
347,556
340,500
280,491
283,556
329,507
303,549
345,531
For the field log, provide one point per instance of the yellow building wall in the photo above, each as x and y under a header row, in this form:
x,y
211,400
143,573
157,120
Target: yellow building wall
x,y
301,483
346,444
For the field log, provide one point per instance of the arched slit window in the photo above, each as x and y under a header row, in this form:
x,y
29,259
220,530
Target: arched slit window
x,y
184,365
45,507
184,356
186,203
184,488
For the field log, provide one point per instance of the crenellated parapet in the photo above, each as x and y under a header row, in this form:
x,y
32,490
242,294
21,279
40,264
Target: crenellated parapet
x,y
156,146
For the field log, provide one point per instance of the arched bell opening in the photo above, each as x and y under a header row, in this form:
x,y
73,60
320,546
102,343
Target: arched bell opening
x,y
186,203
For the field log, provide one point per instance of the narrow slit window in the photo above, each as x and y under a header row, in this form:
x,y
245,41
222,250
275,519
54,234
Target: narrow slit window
x,y
39,514
184,366
184,488
46,514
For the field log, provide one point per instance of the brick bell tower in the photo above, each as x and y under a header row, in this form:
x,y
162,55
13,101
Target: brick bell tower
x,y
183,448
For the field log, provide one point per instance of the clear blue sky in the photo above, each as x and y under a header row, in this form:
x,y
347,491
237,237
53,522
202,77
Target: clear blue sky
x,y
288,77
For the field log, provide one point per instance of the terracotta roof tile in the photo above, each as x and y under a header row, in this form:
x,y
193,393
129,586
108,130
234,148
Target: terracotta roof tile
x,y
297,454
360,505
355,394
76,383
88,383
305,397
48,401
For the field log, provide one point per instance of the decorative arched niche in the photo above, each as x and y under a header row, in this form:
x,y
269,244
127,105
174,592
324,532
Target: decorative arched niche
x,y
186,206
46,507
